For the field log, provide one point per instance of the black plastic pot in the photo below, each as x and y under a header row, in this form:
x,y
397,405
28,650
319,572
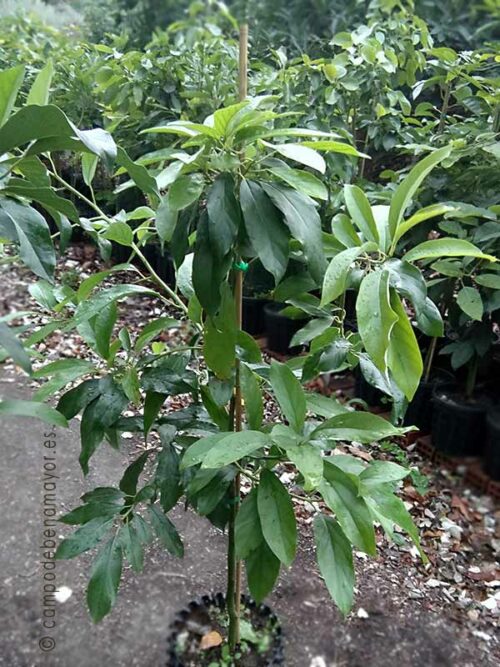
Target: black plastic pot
x,y
372,396
458,425
491,462
161,262
253,315
280,329
184,621
420,410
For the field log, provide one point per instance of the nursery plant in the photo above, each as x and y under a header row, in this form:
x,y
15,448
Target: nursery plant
x,y
231,189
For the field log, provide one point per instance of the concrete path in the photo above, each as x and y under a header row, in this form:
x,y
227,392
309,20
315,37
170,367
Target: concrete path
x,y
134,634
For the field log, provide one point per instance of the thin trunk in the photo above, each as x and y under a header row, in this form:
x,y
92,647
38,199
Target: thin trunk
x,y
429,359
233,564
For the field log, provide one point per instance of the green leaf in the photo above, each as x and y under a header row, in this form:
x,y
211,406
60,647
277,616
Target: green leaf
x,y
300,153
128,483
248,533
289,394
18,408
100,414
277,517
429,320
470,301
91,307
324,406
84,538
220,337
40,90
263,569
380,472
247,348
152,407
166,220
403,355
104,580
223,215
103,325
139,175
409,186
267,233
252,397
10,83
25,226
233,447
334,554
302,181
334,283
343,230
208,272
166,531
376,318
362,427
309,463
167,475
152,330
132,545
490,280
341,494
185,190
89,166
78,398
426,213
14,348
408,281
445,247
361,212
303,220
119,232
333,147
311,330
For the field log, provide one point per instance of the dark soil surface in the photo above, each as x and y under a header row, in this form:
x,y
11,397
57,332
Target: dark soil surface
x,y
406,615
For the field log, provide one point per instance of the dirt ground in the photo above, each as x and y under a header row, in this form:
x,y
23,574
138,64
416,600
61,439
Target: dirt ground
x,y
386,629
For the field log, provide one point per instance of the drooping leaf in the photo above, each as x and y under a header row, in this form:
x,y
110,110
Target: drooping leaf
x,y
19,408
252,396
262,568
104,580
334,283
289,394
223,215
277,517
266,231
14,348
341,494
84,538
403,355
185,190
334,554
166,531
361,212
375,316
248,533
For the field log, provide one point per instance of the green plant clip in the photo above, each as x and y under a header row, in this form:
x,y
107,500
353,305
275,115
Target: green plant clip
x,y
240,266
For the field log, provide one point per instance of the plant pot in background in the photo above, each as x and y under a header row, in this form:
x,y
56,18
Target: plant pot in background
x,y
280,329
203,616
491,462
458,425
372,396
253,315
419,412
161,261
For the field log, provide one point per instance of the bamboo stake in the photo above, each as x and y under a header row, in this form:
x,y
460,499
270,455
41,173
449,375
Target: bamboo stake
x,y
234,565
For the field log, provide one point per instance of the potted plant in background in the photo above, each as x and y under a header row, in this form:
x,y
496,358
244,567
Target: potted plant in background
x,y
230,214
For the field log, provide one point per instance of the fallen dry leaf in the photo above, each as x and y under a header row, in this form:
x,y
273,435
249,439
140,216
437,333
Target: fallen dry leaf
x,y
210,640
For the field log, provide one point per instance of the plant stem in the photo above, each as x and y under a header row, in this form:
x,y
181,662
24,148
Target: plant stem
x,y
429,359
471,377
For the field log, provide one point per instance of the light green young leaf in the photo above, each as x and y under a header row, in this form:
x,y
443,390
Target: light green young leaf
x,y
10,83
361,212
375,316
334,283
409,186
300,153
403,355
40,90
445,247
